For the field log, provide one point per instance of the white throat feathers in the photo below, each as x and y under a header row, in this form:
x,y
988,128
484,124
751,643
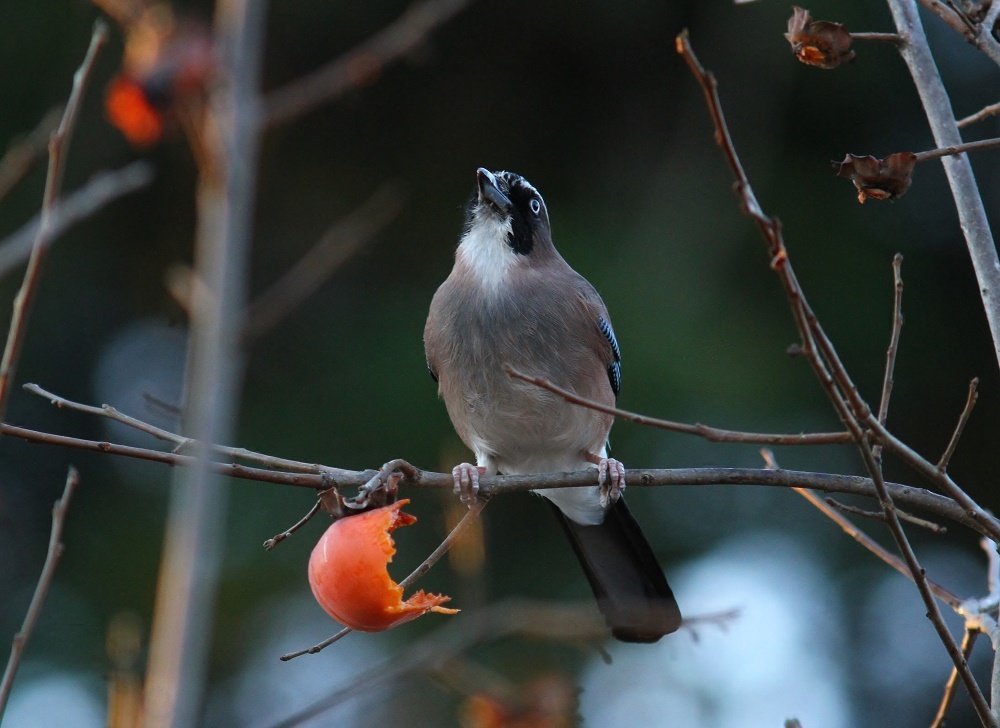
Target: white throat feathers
x,y
485,251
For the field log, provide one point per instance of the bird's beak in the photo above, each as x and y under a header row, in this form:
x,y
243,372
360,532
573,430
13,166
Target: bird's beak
x,y
490,192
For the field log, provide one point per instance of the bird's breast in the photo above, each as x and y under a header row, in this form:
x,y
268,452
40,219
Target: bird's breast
x,y
520,427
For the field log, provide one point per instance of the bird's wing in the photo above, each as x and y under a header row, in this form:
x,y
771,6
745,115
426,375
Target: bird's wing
x,y
605,341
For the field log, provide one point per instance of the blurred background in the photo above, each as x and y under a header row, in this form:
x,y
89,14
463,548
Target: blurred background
x,y
590,102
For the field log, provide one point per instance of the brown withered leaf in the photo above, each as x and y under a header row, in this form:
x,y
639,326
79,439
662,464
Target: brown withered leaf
x,y
878,179
818,43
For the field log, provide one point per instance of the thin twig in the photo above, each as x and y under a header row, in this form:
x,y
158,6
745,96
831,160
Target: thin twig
x,y
970,402
879,37
273,542
337,246
957,149
41,589
541,620
363,63
18,160
58,150
865,540
713,434
829,369
890,352
181,442
984,113
879,516
473,513
948,15
968,642
102,189
830,510
474,510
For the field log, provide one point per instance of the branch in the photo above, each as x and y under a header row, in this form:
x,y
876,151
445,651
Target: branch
x,y
937,106
20,157
984,113
498,621
474,510
102,189
865,540
979,34
44,580
228,137
713,434
58,149
970,402
360,65
184,443
337,246
892,38
491,485
830,371
957,149
828,509
890,353
968,642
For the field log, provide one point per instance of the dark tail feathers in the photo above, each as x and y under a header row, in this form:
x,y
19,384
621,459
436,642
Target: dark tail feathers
x,y
632,592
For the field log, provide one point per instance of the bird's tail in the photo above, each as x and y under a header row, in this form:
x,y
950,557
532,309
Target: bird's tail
x,y
632,592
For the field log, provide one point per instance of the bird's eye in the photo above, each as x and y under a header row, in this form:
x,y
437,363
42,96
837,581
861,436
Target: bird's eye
x,y
535,205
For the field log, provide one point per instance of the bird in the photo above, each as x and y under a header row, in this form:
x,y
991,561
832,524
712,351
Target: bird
x,y
511,300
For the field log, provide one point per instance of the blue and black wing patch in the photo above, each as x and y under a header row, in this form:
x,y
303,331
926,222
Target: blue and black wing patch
x,y
430,371
615,368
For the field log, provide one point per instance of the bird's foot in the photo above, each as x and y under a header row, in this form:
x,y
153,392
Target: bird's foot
x,y
610,478
466,478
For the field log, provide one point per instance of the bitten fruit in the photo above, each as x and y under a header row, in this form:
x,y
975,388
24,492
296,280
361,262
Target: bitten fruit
x,y
349,576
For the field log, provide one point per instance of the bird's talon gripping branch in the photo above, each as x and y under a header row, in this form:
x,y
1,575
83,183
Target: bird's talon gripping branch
x,y
383,487
466,478
611,480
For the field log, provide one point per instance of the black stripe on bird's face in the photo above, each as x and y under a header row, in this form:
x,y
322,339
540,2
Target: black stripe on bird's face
x,y
528,215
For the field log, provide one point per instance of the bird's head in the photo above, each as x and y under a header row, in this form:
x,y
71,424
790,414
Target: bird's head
x,y
506,227
505,209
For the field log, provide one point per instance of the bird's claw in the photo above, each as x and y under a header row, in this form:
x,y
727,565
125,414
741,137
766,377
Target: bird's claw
x,y
610,480
466,478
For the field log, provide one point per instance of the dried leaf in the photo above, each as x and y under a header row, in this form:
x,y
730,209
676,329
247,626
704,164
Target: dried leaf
x,y
878,179
818,43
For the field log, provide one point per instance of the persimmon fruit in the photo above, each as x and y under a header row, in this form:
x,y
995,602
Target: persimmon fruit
x,y
348,573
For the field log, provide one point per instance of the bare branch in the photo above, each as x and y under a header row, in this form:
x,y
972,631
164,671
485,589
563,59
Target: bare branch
x,y
828,507
970,402
937,106
337,246
984,113
21,156
712,434
58,149
183,443
491,485
890,353
968,642
41,589
879,37
833,376
102,189
272,543
498,621
227,140
865,540
363,63
957,149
